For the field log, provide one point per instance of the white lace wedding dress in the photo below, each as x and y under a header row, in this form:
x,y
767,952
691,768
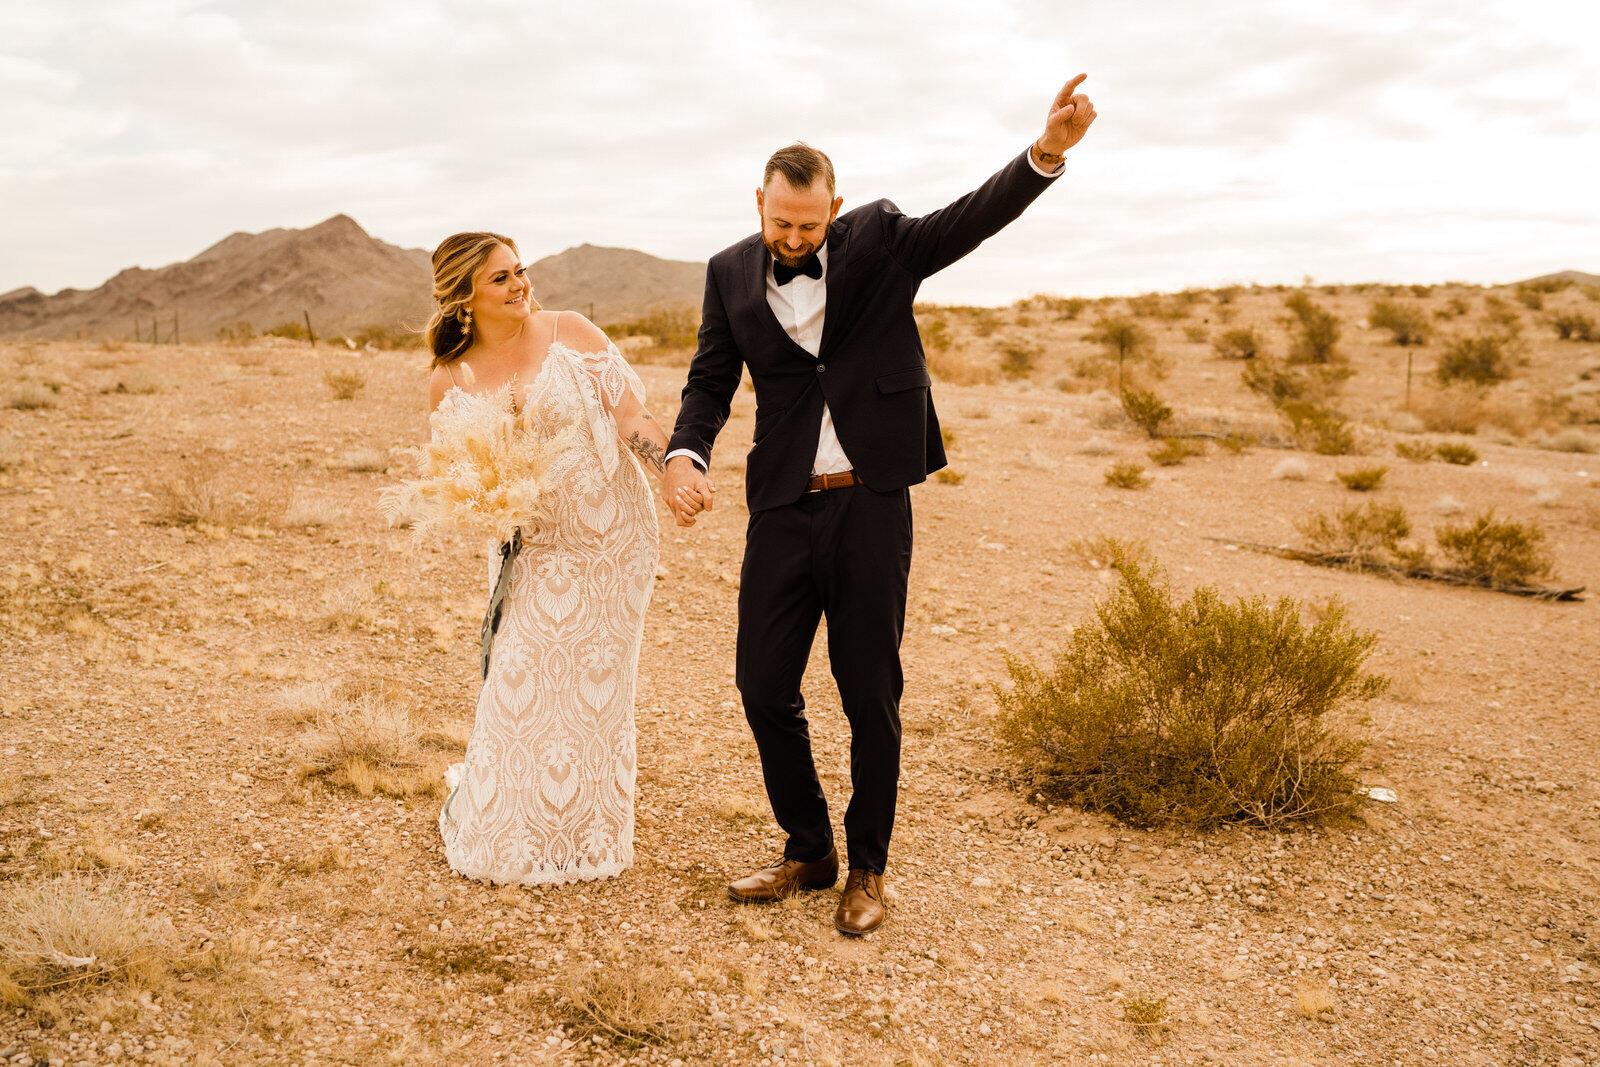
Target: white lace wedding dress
x,y
545,793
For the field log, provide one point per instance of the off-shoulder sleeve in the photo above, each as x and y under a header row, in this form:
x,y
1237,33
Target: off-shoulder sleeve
x,y
613,377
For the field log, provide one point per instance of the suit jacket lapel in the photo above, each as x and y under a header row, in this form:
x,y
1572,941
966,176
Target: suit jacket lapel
x,y
838,251
755,276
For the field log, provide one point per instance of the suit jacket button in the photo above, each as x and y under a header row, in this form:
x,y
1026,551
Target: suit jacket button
x,y
821,367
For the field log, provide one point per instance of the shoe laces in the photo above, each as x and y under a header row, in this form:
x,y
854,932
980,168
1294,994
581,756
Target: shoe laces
x,y
862,880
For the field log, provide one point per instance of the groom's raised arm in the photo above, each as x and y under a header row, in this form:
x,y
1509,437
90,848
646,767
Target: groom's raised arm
x,y
929,243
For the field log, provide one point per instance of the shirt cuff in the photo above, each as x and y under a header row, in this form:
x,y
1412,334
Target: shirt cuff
x,y
702,464
1041,171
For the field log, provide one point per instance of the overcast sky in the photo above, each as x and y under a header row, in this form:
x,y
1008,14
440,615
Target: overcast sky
x,y
1237,141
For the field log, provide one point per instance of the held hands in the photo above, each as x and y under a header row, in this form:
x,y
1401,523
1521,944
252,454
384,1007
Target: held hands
x,y
1067,120
686,490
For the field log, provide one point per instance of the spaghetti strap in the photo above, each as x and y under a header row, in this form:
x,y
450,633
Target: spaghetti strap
x,y
450,370
555,331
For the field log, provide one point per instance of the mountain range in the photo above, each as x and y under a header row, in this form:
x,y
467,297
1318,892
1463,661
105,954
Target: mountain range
x,y
342,277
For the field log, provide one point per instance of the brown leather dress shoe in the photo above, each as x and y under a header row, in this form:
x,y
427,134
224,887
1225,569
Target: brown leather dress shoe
x,y
786,879
861,907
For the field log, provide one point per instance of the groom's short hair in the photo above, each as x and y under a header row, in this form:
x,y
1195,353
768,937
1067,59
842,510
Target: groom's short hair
x,y
800,165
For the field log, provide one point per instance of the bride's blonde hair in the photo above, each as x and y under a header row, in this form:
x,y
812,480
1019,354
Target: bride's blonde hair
x,y
455,262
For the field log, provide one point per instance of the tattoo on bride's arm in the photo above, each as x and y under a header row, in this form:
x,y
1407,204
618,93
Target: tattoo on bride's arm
x,y
653,455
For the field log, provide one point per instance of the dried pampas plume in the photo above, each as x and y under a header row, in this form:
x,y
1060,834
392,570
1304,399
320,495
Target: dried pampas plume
x,y
486,470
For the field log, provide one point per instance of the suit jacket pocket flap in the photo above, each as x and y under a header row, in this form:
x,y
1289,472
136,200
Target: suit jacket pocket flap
x,y
901,380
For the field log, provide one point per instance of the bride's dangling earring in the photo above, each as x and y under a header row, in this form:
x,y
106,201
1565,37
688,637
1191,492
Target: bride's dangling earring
x,y
533,301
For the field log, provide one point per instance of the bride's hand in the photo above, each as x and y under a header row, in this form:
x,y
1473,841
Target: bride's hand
x,y
686,490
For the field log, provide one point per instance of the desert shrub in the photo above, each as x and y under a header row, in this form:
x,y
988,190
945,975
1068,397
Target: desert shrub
x,y
387,338
1103,549
1368,535
935,334
1122,339
345,384
1195,334
1454,308
1363,479
949,476
1146,1015
1145,410
30,395
1193,713
1501,314
1457,452
1530,296
76,928
1017,358
669,326
293,330
1571,439
1065,308
236,333
1415,451
1481,358
1126,474
1407,323
1575,326
1240,343
1174,450
1316,330
1457,409
1320,430
1494,551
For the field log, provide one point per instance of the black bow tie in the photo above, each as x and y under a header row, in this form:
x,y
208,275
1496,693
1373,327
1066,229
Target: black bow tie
x,y
783,275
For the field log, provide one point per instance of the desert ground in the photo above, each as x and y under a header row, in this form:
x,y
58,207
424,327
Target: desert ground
x,y
201,601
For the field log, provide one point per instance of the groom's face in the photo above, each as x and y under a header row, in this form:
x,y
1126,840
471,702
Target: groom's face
x,y
794,222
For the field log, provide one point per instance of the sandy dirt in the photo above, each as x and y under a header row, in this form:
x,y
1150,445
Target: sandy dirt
x,y
145,739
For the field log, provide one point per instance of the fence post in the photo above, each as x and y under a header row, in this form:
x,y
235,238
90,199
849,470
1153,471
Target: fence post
x,y
309,331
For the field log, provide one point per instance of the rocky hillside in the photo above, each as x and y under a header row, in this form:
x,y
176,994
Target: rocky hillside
x,y
336,272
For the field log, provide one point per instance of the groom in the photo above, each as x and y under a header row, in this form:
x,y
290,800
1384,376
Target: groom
x,y
818,307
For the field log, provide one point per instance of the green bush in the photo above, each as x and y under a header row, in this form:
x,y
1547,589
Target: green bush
x,y
1174,450
1417,452
1145,410
1316,330
1123,339
1462,455
1241,343
1363,479
1017,358
1482,359
1320,430
1194,713
1575,326
1408,323
1369,535
1126,474
1495,552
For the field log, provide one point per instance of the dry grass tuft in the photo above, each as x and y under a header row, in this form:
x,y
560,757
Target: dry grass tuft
x,y
631,1006
201,492
348,607
1312,1000
949,476
31,396
305,510
1146,1014
1291,469
365,737
1363,479
1097,446
75,928
363,461
737,809
1105,550
345,384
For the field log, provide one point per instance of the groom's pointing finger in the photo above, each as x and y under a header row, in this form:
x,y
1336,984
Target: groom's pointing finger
x,y
1064,97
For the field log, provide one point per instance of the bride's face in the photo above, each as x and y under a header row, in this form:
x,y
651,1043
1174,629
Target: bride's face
x,y
500,290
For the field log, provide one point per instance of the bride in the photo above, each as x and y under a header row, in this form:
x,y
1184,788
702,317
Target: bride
x,y
545,793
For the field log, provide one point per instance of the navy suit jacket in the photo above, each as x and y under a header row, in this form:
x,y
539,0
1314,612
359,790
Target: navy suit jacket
x,y
870,369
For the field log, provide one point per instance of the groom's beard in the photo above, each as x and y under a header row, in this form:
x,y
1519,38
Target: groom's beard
x,y
782,254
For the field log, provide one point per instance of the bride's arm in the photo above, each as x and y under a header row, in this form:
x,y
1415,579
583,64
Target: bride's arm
x,y
635,425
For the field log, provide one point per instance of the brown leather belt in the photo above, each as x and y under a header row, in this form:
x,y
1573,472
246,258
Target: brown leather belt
x,y
832,481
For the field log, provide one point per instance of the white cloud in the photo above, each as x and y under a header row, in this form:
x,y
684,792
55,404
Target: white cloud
x,y
1246,140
